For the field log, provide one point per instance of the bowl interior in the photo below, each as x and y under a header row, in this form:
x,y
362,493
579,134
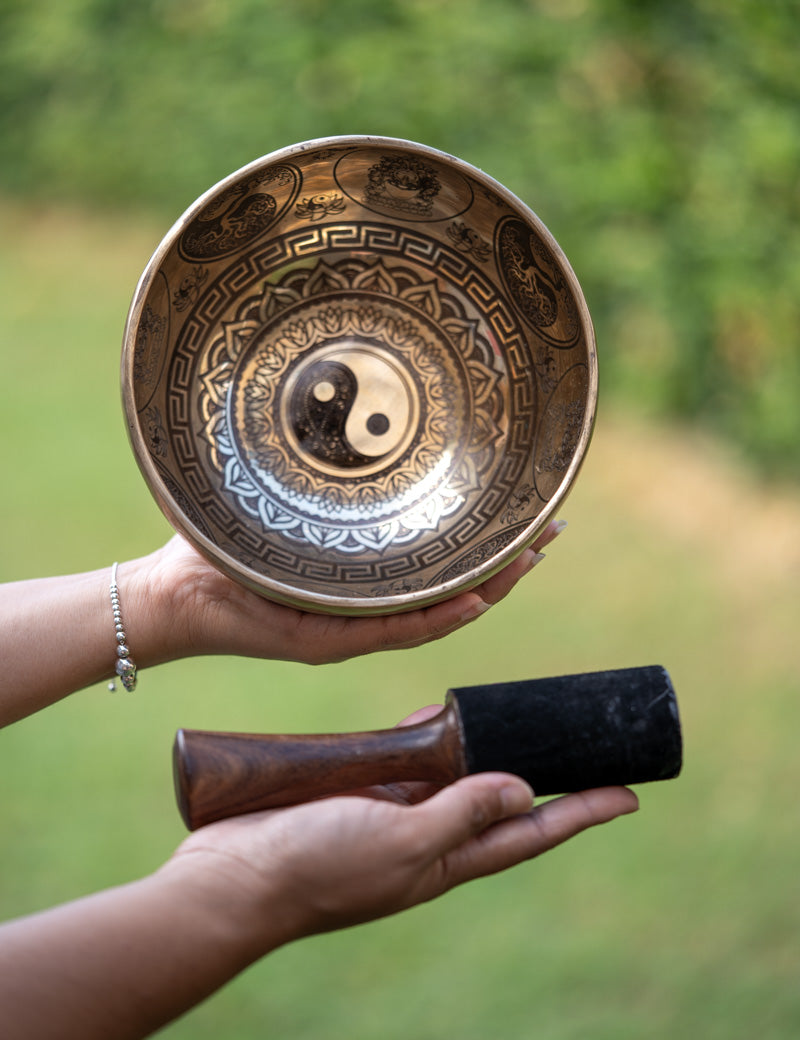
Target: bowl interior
x,y
359,375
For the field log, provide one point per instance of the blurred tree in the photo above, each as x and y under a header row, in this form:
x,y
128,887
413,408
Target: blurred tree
x,y
658,141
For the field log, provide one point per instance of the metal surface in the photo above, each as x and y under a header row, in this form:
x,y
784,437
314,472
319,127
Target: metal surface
x,y
359,375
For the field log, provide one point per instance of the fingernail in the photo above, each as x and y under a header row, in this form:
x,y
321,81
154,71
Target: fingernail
x,y
530,559
517,799
550,533
475,610
634,807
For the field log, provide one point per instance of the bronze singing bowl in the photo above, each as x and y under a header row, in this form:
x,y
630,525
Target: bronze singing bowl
x,y
359,375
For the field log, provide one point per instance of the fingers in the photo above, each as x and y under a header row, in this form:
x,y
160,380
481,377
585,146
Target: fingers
x,y
498,586
496,832
405,631
469,806
549,534
562,818
420,715
353,637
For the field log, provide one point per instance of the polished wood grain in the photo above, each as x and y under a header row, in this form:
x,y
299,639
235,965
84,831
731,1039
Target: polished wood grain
x,y
227,774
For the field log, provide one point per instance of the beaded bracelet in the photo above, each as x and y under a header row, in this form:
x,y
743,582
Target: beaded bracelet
x,y
125,667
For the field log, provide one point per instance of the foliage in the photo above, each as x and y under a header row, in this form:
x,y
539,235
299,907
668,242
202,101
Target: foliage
x,y
657,140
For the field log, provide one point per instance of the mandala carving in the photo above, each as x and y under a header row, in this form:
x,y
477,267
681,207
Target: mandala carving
x,y
347,424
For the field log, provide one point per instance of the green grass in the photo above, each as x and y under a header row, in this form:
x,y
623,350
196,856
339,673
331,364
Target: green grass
x,y
681,920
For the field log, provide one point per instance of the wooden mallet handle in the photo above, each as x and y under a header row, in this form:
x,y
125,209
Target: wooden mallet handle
x,y
227,774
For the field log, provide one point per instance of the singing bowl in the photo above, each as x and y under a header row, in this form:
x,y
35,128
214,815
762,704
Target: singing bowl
x,y
359,375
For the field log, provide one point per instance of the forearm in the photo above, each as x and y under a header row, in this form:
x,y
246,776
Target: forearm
x,y
57,634
124,962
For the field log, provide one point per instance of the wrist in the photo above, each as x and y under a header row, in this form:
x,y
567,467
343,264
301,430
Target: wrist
x,y
155,626
234,905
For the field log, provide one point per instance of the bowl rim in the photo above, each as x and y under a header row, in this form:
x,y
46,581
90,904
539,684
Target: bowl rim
x,y
283,592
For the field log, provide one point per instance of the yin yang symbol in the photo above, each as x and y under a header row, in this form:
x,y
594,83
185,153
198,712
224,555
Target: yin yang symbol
x,y
351,408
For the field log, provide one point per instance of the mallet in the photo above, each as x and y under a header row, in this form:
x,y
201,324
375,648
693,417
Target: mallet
x,y
562,734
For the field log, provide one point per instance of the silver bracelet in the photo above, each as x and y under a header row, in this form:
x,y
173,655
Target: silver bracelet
x,y
125,667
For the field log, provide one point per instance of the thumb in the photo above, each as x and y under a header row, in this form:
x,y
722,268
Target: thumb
x,y
467,807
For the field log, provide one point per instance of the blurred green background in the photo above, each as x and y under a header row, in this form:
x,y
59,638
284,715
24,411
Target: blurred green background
x,y
659,143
